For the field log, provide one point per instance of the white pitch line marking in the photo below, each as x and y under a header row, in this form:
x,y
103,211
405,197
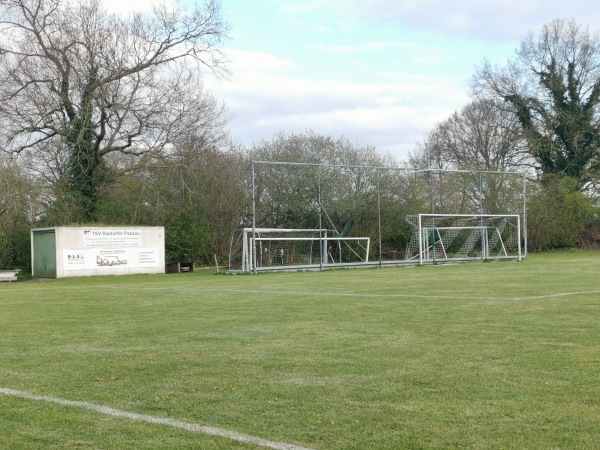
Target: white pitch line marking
x,y
240,437
338,294
366,294
350,294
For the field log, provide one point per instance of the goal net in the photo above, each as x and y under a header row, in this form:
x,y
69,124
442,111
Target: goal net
x,y
276,248
448,237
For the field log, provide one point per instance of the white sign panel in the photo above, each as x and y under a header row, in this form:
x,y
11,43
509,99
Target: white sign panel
x,y
110,258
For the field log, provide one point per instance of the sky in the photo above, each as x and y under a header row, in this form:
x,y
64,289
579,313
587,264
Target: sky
x,y
380,73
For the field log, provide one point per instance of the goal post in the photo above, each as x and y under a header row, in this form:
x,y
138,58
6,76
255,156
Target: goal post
x,y
453,237
255,249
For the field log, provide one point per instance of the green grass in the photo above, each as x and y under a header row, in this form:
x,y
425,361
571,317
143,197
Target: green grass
x,y
476,355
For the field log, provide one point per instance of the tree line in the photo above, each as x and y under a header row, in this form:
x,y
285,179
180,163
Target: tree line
x,y
105,120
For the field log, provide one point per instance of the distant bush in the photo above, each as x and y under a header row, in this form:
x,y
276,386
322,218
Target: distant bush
x,y
18,200
560,216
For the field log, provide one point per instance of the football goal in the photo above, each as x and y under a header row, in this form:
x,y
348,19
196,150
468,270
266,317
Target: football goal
x,y
290,249
455,237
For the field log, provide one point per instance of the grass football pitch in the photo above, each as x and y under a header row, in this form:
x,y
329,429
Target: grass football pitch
x,y
479,355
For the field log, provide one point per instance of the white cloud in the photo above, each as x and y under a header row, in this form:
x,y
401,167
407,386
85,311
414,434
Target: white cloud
x,y
390,113
506,20
321,29
368,46
243,60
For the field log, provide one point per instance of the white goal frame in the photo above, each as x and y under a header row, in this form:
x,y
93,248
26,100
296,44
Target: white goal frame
x,y
428,253
253,237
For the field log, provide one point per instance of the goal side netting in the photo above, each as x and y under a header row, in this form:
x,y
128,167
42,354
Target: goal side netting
x,y
456,237
275,249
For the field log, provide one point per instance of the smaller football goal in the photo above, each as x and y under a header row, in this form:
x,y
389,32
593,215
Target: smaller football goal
x,y
289,249
455,237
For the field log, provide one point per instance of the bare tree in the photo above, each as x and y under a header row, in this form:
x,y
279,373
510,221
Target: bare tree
x,y
79,85
485,136
430,154
481,136
553,88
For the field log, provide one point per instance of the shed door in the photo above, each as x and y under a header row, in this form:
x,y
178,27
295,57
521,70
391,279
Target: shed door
x,y
44,254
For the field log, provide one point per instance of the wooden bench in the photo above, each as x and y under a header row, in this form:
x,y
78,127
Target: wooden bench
x,y
8,275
